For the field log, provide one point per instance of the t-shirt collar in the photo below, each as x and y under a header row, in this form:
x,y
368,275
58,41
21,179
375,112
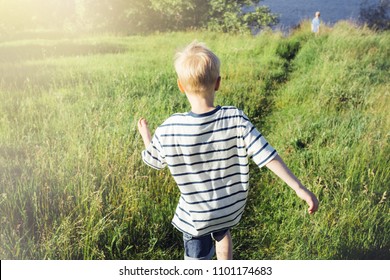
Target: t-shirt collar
x,y
192,114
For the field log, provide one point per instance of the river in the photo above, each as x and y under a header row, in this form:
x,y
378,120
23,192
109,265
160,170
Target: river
x,y
291,12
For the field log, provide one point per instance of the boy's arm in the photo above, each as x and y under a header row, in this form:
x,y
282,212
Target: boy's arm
x,y
153,153
144,131
278,167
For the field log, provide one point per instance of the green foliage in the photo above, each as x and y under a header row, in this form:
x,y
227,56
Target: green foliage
x,y
376,16
72,182
154,15
224,16
135,16
238,16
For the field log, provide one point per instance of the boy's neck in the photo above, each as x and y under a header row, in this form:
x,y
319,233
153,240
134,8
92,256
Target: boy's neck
x,y
201,104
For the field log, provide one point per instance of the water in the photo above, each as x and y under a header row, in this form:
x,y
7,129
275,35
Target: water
x,y
291,12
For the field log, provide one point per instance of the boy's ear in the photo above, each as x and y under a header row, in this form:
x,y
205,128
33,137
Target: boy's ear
x,y
181,88
217,83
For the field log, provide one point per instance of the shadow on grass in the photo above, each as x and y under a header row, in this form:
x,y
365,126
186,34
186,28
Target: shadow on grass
x,y
356,253
38,34
9,167
20,76
10,54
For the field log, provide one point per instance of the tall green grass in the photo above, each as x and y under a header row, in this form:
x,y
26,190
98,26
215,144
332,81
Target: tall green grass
x,y
72,182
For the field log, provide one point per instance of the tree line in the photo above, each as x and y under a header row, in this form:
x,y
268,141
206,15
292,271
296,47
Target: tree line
x,y
143,16
135,16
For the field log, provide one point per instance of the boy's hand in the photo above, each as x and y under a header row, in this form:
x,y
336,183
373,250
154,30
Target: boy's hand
x,y
310,199
144,131
313,204
278,166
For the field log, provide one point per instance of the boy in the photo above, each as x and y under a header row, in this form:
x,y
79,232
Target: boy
x,y
207,152
315,23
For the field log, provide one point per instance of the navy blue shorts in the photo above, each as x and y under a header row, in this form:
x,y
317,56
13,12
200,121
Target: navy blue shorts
x,y
202,247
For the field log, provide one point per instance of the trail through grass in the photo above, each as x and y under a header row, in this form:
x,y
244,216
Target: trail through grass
x,y
72,182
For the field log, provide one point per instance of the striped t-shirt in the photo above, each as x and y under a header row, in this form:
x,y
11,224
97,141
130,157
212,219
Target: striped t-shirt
x,y
207,155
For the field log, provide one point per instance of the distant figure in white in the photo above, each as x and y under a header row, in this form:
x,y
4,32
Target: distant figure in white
x,y
315,23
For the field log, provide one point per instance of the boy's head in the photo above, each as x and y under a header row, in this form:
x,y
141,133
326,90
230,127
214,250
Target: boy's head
x,y
197,68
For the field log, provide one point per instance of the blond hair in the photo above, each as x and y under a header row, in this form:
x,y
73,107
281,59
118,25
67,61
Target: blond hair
x,y
197,68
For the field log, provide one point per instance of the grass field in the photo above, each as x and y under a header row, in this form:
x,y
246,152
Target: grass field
x,y
72,182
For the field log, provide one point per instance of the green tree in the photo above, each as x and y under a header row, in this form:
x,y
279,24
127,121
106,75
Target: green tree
x,y
376,16
136,16
239,16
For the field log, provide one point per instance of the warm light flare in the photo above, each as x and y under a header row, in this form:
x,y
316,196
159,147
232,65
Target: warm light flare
x,y
31,14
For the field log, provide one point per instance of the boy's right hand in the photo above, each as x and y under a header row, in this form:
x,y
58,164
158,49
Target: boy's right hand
x,y
144,131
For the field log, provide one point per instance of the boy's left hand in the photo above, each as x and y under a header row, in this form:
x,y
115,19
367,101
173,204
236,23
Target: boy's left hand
x,y
310,199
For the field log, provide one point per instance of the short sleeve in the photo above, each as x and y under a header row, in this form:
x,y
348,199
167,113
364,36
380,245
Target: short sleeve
x,y
153,155
258,148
